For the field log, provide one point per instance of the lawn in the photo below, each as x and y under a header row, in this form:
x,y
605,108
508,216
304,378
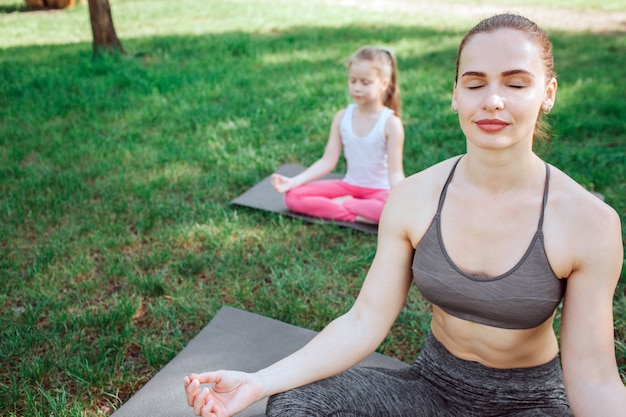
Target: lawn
x,y
117,242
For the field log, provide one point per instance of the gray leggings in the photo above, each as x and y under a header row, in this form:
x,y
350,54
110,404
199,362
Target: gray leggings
x,y
437,384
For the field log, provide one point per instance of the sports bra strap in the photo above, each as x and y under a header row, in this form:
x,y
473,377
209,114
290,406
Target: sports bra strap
x,y
442,196
544,202
545,197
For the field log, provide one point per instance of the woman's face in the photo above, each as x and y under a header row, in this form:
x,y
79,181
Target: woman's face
x,y
501,89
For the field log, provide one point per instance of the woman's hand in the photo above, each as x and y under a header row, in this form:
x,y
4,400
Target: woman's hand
x,y
230,393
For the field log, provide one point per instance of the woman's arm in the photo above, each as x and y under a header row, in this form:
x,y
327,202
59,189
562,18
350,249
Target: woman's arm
x,y
394,132
343,343
319,168
351,337
593,384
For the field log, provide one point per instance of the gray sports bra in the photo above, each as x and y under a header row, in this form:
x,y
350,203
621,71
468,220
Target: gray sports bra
x,y
522,298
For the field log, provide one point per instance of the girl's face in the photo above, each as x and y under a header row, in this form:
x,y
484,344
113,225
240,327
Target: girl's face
x,y
501,89
365,83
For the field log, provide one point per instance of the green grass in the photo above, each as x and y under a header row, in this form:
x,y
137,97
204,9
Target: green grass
x,y
117,243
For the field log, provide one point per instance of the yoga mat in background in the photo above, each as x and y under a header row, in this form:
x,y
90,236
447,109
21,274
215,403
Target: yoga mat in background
x,y
263,196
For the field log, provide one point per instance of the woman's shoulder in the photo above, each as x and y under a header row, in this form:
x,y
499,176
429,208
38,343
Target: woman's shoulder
x,y
578,225
435,175
414,200
423,187
574,202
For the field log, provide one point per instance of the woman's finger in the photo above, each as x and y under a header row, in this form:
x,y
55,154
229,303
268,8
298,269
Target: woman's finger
x,y
200,401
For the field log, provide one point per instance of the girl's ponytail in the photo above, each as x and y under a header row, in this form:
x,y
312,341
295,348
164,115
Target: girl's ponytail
x,y
393,91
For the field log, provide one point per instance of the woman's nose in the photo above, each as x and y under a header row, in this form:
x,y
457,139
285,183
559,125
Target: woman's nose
x,y
493,101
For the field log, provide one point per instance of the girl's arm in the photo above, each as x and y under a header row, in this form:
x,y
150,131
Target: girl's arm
x,y
394,132
593,384
319,168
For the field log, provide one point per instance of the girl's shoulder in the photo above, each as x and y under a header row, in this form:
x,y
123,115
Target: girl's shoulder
x,y
338,117
393,118
394,125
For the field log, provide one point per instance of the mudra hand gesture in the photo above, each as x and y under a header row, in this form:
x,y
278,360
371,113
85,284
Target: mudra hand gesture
x,y
230,393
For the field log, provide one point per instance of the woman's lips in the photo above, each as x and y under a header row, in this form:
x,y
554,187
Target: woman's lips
x,y
491,125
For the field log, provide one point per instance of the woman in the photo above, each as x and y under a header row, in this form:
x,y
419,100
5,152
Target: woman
x,y
495,239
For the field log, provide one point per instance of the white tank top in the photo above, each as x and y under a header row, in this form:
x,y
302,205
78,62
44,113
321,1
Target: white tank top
x,y
366,157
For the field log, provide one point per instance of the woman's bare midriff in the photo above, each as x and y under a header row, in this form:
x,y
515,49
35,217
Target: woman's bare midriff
x,y
495,347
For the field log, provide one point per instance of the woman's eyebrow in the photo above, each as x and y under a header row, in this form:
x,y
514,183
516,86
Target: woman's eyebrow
x,y
517,72
473,74
504,73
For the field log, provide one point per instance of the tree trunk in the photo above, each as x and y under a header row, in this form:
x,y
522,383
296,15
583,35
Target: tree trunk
x,y
104,36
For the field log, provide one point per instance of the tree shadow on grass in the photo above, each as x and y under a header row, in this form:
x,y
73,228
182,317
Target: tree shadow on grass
x,y
244,103
23,8
13,9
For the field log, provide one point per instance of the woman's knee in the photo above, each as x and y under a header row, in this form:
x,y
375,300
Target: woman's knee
x,y
544,413
291,403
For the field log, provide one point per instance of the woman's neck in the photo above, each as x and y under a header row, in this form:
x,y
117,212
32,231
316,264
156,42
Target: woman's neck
x,y
499,171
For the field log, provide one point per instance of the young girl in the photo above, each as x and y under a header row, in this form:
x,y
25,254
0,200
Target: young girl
x,y
372,137
495,239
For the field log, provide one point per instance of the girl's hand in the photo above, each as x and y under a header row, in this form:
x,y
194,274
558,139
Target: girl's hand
x,y
281,183
231,393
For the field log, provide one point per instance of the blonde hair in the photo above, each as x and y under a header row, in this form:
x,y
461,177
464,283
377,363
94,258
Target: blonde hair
x,y
385,62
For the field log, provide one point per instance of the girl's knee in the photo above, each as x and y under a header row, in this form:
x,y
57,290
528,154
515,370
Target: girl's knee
x,y
292,198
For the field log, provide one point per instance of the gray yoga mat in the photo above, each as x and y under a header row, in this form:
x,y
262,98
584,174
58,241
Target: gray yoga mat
x,y
263,196
233,339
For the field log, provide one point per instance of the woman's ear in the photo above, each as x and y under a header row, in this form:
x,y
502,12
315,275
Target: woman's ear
x,y
454,104
550,96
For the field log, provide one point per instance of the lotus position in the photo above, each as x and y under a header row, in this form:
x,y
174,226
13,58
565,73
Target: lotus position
x,y
371,135
495,239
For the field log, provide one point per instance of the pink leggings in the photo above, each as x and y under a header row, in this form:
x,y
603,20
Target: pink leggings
x,y
316,199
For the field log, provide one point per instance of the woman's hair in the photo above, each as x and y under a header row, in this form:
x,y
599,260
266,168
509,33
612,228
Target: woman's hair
x,y
534,32
385,63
